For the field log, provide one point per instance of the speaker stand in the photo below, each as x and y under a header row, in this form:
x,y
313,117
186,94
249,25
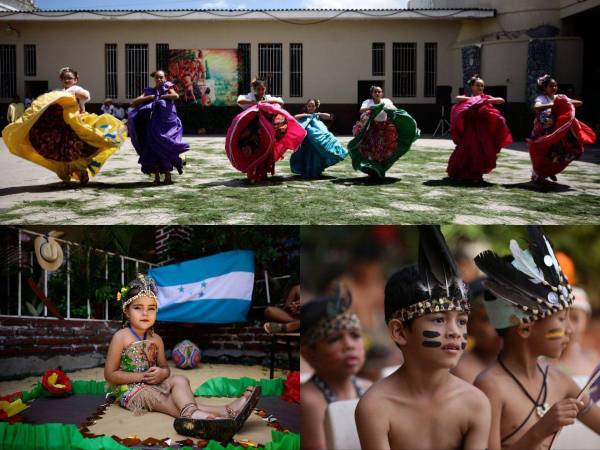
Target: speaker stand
x,y
443,125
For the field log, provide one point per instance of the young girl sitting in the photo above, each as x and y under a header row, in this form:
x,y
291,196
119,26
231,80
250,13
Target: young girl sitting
x,y
136,365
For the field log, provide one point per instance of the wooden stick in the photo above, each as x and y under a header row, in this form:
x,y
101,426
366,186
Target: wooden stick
x,y
595,376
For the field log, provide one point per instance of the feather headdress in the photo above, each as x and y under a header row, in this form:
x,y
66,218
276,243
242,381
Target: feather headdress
x,y
323,317
533,282
434,285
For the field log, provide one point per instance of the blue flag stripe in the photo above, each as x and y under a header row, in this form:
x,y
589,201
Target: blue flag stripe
x,y
203,268
206,311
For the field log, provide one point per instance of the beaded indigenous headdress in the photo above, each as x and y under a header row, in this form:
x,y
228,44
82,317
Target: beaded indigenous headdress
x,y
145,286
324,317
432,286
532,287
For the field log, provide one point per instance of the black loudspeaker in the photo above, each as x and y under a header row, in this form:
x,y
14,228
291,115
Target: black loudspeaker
x,y
443,95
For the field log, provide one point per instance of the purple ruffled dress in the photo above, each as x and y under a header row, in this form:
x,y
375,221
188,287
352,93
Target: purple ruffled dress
x,y
156,133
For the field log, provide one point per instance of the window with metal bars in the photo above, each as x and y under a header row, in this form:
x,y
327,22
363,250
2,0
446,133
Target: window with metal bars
x,y
295,70
404,69
378,59
136,69
8,71
244,77
110,71
29,59
430,81
162,57
270,67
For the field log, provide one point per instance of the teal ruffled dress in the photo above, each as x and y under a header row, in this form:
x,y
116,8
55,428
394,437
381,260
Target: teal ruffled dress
x,y
319,149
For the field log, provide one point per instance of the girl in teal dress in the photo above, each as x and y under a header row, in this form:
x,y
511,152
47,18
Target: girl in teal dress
x,y
320,149
137,368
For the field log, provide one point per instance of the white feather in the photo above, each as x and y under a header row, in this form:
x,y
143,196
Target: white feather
x,y
524,262
554,260
462,287
447,284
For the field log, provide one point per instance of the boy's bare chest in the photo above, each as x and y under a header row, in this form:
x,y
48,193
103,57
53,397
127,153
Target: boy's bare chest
x,y
428,425
521,411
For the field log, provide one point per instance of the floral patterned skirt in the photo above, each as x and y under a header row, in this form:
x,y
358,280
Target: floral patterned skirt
x,y
380,141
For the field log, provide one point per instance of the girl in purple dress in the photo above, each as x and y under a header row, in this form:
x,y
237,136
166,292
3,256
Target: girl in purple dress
x,y
156,131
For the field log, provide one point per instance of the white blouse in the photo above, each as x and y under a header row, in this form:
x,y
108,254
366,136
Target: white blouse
x,y
80,92
252,97
382,116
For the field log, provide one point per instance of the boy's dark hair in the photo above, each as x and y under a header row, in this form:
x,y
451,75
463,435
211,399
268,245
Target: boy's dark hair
x,y
400,290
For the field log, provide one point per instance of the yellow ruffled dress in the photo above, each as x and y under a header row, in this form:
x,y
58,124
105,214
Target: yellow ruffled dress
x,y
95,137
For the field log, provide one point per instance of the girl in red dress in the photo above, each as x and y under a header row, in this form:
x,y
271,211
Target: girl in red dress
x,y
557,137
479,132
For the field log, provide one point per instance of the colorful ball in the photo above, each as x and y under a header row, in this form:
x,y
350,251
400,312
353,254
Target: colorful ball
x,y
186,355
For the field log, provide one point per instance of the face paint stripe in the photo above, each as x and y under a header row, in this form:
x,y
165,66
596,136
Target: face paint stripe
x,y
466,336
463,345
432,344
555,333
431,334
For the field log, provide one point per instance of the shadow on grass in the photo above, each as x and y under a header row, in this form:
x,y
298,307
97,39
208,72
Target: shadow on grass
x,y
245,183
365,181
529,186
37,188
125,185
447,181
319,178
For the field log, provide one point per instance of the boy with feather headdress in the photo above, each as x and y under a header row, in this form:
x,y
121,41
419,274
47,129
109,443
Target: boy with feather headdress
x,y
530,401
422,405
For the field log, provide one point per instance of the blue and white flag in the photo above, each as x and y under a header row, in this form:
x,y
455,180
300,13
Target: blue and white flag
x,y
214,289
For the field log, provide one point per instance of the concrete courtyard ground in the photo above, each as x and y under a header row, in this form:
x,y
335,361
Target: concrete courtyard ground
x,y
211,191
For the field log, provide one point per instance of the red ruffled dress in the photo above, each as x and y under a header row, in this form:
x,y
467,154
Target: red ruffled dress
x,y
479,132
557,139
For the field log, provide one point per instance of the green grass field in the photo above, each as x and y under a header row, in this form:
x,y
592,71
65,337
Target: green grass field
x,y
211,191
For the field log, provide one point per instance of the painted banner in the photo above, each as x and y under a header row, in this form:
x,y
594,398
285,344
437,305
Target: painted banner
x,y
205,76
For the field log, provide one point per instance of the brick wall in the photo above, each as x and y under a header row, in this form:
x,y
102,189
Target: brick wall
x,y
49,340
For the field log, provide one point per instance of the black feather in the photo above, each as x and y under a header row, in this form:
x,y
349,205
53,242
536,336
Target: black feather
x,y
513,296
538,249
437,267
504,273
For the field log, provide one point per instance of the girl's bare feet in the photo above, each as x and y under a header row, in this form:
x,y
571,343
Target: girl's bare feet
x,y
192,411
232,408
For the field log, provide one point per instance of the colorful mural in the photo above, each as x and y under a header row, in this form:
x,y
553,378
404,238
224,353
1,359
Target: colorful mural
x,y
205,76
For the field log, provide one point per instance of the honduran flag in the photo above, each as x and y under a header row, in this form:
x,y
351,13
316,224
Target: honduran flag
x,y
214,289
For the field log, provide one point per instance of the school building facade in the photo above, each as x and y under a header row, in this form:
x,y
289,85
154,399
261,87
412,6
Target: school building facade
x,y
422,56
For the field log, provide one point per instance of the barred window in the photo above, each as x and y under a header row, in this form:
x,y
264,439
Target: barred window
x,y
378,59
8,71
295,70
162,57
244,79
270,66
136,69
110,71
29,58
430,82
404,68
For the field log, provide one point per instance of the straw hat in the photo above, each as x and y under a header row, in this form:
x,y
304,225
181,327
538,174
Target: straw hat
x,y
48,251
